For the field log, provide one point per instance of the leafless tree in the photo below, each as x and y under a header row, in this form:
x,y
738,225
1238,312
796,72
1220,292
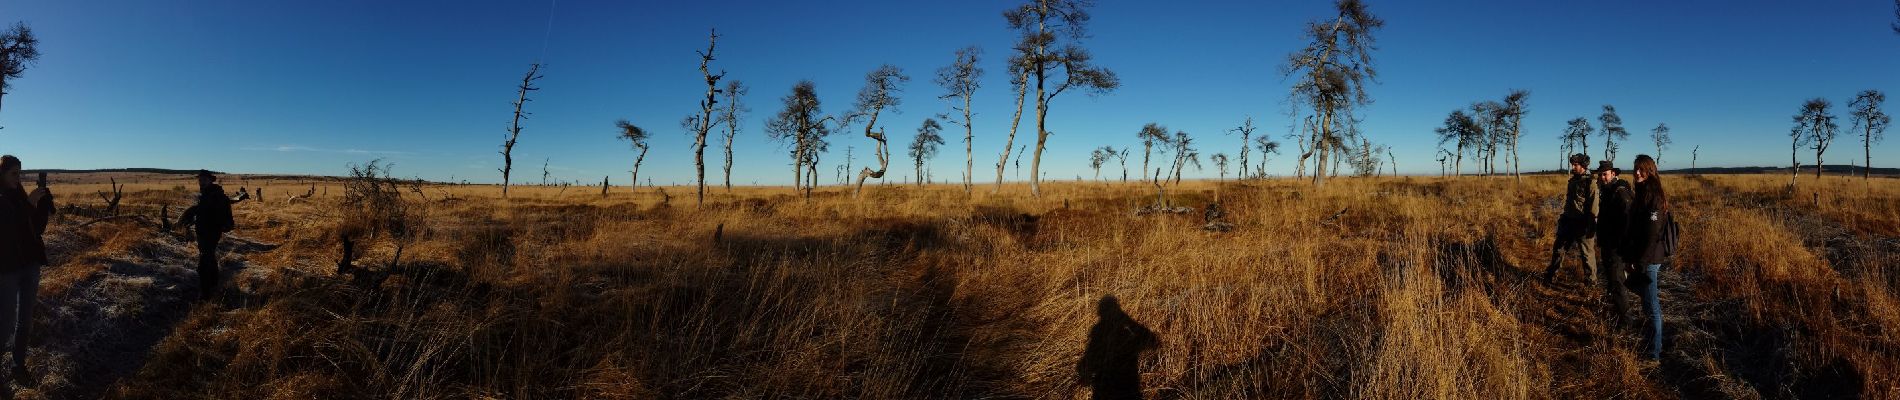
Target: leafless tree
x,y
18,48
1019,80
1245,130
514,128
701,124
1052,31
1612,131
881,88
799,122
1812,125
1660,135
1301,137
638,137
1693,154
1332,71
925,145
1870,121
734,111
960,80
544,171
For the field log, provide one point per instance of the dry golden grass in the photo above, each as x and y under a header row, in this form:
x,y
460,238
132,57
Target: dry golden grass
x,y
1420,288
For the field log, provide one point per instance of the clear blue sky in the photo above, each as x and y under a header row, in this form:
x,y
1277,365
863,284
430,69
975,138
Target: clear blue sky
x,y
310,86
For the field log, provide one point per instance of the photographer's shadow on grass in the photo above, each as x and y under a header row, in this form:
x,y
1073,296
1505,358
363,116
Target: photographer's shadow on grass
x,y
1110,365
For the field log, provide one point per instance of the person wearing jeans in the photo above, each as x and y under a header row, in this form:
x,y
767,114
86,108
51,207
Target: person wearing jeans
x,y
1644,245
1652,307
22,253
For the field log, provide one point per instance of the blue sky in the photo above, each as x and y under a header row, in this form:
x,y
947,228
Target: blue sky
x,y
310,86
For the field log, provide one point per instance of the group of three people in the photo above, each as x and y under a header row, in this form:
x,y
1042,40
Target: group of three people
x,y
23,220
1627,223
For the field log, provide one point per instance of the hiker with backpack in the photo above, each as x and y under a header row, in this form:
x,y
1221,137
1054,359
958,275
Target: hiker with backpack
x,y
1649,242
22,254
210,218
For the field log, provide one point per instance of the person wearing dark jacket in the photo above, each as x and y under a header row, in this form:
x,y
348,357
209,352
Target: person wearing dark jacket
x,y
1643,244
1613,208
1578,220
22,253
210,218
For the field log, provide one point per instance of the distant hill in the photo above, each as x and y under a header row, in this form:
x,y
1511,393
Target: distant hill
x,y
117,170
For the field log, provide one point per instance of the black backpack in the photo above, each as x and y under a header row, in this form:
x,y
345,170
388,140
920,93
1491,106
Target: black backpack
x,y
1671,237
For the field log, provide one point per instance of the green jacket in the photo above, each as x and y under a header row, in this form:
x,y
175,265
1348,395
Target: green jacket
x,y
1580,199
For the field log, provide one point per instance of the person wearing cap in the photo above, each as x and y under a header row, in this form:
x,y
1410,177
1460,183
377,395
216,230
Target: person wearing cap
x,y
1578,221
210,218
22,254
1612,221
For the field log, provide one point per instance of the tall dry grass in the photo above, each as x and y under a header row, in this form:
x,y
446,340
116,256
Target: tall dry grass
x,y
1366,288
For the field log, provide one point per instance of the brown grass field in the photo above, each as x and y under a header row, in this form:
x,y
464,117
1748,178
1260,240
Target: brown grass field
x,y
1420,288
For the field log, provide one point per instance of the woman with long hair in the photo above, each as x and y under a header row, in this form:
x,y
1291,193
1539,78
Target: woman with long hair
x,y
1645,246
22,253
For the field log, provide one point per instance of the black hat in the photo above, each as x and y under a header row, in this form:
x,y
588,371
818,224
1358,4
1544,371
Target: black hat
x,y
1606,166
1580,159
206,174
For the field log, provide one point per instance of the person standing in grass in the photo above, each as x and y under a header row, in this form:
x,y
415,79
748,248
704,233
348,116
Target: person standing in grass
x,y
1578,222
1646,245
1612,220
22,253
211,218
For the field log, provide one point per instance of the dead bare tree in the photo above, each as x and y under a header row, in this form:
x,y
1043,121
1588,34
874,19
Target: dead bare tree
x,y
1044,25
735,110
702,123
960,80
1245,129
112,200
638,137
1693,154
1019,79
881,88
514,128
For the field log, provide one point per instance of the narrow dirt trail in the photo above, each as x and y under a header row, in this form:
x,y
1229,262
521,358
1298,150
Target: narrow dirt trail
x,y
109,310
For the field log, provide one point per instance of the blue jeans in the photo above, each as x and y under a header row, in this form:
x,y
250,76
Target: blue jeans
x,y
1652,305
19,293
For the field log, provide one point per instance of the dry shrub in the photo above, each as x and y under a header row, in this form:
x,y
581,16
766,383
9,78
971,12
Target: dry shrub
x,y
1419,289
